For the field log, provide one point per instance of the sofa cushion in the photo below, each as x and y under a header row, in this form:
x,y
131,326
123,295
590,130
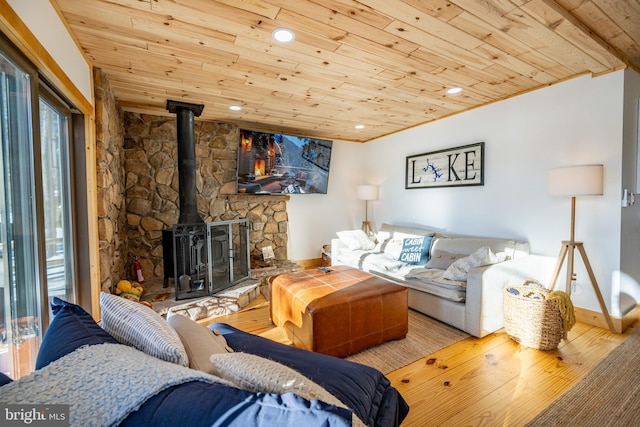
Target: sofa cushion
x,y
442,259
430,280
356,240
387,230
382,262
467,245
199,342
72,327
139,326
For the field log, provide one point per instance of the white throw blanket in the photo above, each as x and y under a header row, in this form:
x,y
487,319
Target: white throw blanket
x,y
102,383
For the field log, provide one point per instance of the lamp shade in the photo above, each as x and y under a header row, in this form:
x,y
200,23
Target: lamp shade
x,y
367,192
584,180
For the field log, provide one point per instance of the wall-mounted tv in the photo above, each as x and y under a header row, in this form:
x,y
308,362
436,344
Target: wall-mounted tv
x,y
276,163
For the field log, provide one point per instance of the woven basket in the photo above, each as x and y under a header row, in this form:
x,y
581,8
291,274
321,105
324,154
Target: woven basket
x,y
530,318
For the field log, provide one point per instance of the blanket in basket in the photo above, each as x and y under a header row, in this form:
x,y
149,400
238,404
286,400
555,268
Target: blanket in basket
x,y
536,317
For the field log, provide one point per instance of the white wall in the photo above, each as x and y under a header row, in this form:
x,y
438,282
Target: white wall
x,y
45,24
315,218
576,122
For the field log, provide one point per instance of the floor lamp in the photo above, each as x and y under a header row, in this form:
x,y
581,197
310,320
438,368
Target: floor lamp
x,y
585,180
366,193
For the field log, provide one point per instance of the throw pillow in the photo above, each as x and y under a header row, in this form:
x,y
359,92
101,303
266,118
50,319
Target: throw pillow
x,y
356,240
392,248
459,269
72,327
199,342
139,326
415,250
393,245
442,259
255,373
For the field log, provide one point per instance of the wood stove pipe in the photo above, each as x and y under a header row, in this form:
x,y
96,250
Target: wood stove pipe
x,y
185,114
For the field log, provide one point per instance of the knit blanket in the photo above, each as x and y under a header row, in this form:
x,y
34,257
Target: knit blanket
x,y
565,306
102,384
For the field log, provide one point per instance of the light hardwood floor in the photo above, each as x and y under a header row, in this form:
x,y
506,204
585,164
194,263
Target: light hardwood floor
x,y
491,381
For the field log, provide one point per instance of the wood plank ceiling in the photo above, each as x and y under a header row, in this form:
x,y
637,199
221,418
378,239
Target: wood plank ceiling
x,y
383,64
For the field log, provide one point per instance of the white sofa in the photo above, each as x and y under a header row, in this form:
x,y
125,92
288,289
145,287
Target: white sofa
x,y
473,305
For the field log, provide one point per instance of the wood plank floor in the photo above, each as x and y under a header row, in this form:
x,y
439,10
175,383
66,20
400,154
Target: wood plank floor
x,y
491,381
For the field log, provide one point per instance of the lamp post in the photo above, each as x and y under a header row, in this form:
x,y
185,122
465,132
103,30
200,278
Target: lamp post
x,y
584,180
366,193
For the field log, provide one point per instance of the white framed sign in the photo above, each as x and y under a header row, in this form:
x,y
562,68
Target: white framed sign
x,y
458,166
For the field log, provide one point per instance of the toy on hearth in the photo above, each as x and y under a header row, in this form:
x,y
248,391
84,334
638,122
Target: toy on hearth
x,y
129,290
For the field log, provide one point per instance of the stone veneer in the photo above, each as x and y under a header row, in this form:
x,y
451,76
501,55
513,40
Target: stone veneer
x,y
152,201
109,183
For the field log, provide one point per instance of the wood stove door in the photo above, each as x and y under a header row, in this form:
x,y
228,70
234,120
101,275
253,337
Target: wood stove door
x,y
240,263
190,260
219,266
228,253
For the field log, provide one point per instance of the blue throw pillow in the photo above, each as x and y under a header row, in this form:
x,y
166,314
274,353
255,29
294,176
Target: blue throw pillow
x,y
4,379
71,328
415,250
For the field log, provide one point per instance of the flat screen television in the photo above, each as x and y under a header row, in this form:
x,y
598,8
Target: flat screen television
x,y
276,163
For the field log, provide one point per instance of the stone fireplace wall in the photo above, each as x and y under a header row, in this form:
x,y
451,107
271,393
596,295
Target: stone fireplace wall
x,y
137,187
109,182
151,180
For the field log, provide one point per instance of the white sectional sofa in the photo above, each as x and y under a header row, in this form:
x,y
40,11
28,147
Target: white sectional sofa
x,y
443,288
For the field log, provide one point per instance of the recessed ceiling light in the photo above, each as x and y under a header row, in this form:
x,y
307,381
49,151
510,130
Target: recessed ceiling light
x,y
359,126
283,35
454,90
235,107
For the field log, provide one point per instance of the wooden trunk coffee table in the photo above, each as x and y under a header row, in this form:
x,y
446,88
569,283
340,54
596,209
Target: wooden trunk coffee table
x,y
340,312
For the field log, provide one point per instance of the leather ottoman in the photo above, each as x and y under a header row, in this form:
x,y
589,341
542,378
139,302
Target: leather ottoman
x,y
340,312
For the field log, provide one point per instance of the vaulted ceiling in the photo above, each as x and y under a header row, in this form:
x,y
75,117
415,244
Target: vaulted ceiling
x,y
382,64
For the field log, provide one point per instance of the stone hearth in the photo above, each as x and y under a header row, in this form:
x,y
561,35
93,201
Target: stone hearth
x,y
230,300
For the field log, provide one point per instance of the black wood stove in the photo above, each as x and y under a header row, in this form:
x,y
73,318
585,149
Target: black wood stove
x,y
201,258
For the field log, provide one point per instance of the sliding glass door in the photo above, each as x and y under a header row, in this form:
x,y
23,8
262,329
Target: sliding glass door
x,y
20,297
36,220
